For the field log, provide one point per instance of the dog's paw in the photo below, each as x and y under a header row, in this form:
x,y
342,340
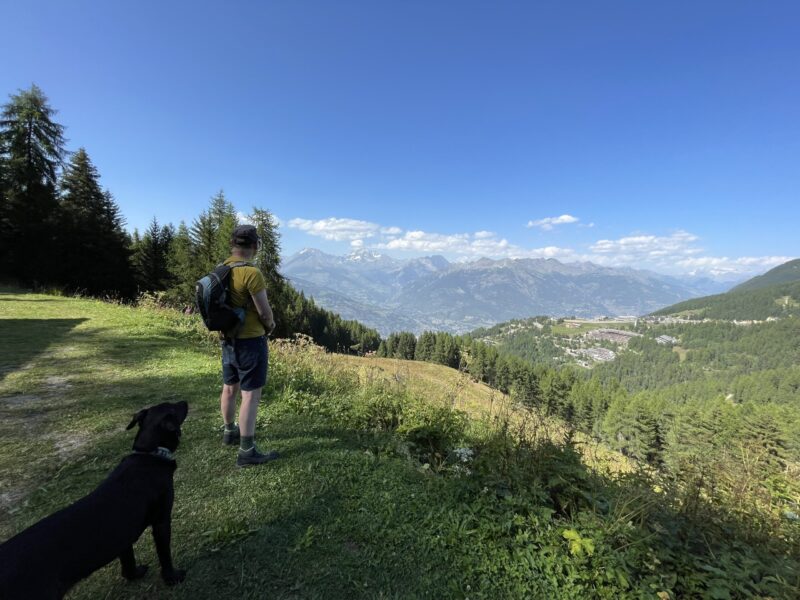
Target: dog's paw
x,y
174,576
137,573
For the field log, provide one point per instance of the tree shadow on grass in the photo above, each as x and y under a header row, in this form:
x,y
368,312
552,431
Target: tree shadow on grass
x,y
22,340
15,299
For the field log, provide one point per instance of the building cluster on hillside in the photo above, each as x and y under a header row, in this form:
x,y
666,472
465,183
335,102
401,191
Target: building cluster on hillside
x,y
599,354
659,320
618,336
595,354
667,340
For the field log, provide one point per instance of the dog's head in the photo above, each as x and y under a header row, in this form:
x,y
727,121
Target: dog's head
x,y
159,425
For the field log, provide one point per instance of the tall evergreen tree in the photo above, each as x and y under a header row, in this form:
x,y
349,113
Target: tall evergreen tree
x,y
33,149
93,253
204,240
426,345
405,345
268,260
150,258
223,215
182,267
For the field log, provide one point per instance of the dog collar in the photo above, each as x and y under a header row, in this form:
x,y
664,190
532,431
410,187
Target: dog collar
x,y
159,452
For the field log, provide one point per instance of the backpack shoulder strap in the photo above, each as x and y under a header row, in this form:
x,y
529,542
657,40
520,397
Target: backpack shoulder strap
x,y
231,267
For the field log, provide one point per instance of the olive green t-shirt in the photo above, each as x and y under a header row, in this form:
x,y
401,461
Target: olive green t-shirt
x,y
246,281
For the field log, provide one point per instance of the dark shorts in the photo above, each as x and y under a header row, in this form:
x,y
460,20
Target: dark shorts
x,y
245,362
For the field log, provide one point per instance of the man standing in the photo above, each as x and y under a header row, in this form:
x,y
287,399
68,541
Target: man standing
x,y
245,352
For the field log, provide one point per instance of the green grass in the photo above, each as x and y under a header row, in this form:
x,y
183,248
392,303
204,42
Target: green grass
x,y
366,501
75,371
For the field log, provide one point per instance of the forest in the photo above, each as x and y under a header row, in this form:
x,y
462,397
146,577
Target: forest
x,y
723,422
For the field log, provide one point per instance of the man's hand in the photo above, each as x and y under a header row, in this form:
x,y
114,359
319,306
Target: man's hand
x,y
270,327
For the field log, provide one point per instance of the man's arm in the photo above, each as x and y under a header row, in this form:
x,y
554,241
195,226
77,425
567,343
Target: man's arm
x,y
264,310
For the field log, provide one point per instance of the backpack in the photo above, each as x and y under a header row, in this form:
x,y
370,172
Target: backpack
x,y
211,296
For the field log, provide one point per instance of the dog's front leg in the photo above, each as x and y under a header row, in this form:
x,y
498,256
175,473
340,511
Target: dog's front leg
x,y
162,534
129,569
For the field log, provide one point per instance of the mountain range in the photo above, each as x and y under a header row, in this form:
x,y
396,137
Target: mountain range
x,y
433,293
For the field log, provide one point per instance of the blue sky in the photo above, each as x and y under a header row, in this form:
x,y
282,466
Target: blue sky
x,y
653,135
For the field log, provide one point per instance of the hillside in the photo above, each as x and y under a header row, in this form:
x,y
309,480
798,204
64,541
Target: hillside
x,y
372,476
788,272
777,301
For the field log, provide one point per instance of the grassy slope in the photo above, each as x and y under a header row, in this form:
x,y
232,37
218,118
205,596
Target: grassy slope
x,y
428,379
478,400
338,517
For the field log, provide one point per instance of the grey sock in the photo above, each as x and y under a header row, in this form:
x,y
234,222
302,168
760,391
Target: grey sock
x,y
247,442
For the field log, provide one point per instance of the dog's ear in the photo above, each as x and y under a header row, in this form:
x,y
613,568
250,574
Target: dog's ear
x,y
137,418
183,410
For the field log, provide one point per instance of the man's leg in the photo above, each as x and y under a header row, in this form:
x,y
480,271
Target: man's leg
x,y
227,402
252,357
227,406
248,452
247,414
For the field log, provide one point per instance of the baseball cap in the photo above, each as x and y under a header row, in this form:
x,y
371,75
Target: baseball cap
x,y
245,235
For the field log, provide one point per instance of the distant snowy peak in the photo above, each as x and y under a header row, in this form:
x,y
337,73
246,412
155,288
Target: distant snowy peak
x,y
369,256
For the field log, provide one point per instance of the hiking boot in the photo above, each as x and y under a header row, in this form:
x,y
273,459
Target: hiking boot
x,y
254,457
229,438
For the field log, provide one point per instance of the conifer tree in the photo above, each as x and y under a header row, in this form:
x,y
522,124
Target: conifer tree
x,y
405,345
426,344
268,259
32,144
5,215
223,215
204,239
150,258
182,267
93,254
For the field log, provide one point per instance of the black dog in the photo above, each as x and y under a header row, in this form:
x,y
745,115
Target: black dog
x,y
48,558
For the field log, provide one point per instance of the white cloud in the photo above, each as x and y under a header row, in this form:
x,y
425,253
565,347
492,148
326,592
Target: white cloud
x,y
677,253
481,243
471,245
646,251
336,229
722,265
645,248
357,244
391,230
244,219
549,222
